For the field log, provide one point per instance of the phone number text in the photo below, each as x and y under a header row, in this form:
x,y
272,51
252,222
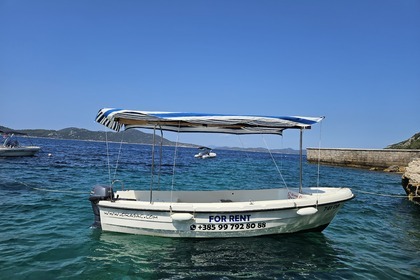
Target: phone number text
x,y
211,227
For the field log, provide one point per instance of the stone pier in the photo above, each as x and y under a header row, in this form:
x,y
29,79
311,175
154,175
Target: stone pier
x,y
377,159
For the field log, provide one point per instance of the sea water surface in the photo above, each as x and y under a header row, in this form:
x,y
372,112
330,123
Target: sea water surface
x,y
46,216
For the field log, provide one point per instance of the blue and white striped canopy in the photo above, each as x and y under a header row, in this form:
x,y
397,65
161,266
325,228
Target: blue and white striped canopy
x,y
115,119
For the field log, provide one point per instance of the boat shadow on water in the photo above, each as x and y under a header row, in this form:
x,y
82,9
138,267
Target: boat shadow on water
x,y
252,257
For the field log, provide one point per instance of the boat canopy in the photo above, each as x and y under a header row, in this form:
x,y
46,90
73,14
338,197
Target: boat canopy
x,y
115,119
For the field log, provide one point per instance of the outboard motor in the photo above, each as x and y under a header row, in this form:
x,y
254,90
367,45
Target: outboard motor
x,y
97,194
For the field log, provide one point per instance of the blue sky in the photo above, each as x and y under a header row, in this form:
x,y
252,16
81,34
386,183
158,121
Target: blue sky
x,y
356,62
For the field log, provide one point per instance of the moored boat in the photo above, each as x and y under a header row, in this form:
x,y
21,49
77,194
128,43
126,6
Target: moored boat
x,y
12,148
214,213
205,152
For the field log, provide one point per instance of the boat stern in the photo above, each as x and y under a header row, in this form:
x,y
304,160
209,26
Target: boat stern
x,y
97,194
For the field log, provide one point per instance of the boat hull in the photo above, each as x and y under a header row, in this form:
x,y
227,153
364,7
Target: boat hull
x,y
204,156
220,220
19,151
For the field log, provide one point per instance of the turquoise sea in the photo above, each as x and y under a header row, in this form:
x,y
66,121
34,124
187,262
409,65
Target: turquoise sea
x,y
46,216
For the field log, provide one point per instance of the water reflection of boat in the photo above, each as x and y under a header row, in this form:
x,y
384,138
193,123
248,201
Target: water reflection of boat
x,y
215,213
205,152
267,257
12,148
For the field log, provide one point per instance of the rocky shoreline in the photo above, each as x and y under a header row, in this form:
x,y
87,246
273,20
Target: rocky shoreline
x,y
411,180
405,161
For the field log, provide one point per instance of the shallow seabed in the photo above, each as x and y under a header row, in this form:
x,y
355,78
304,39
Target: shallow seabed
x,y
46,216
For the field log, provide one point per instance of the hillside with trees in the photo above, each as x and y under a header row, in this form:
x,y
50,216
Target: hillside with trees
x,y
72,133
411,143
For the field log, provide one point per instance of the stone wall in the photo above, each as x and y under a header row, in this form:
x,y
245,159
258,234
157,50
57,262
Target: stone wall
x,y
365,158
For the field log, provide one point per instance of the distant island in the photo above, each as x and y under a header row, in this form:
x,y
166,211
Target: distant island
x,y
134,136
131,136
72,133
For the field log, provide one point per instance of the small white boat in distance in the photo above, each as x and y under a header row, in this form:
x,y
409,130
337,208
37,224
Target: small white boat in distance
x,y
205,152
213,213
12,148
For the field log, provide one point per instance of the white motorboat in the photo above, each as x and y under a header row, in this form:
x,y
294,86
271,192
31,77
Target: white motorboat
x,y
205,152
12,148
214,213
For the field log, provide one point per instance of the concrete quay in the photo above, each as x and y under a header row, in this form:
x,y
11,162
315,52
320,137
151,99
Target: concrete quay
x,y
377,159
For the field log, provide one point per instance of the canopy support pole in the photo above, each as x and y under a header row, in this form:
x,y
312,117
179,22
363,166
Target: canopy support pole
x,y
301,156
153,165
160,156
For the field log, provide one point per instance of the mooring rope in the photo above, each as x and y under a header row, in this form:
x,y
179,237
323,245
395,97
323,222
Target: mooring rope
x,y
174,163
49,190
107,156
319,154
274,161
387,195
243,147
58,191
118,156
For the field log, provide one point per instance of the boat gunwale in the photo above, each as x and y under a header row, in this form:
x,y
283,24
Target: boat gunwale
x,y
171,204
